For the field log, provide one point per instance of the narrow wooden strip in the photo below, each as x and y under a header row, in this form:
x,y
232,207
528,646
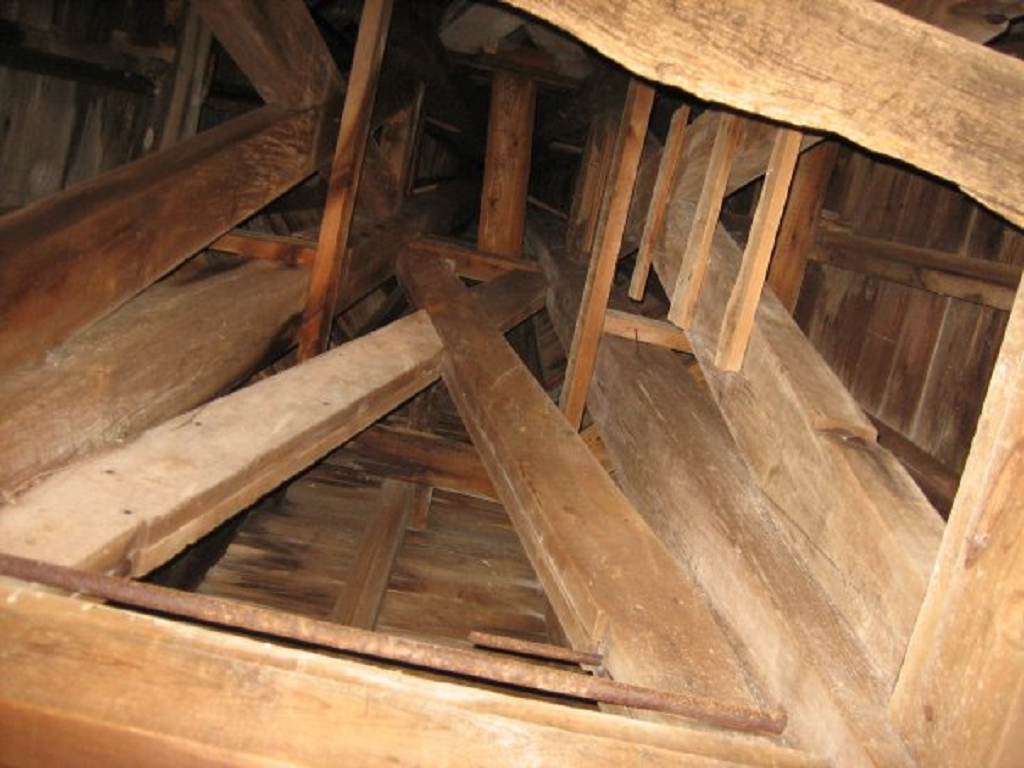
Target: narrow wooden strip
x,y
537,650
938,481
331,267
607,242
673,150
693,266
647,330
471,262
746,293
293,251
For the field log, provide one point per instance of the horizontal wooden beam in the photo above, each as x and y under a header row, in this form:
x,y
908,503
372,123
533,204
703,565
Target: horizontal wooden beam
x,y
247,699
610,580
646,329
469,261
72,258
292,251
856,68
980,281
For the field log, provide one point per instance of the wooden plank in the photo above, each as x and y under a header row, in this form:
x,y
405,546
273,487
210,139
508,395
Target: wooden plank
x,y
976,280
796,233
248,699
278,47
625,160
469,261
507,163
72,258
360,603
746,293
690,279
591,181
960,695
420,457
646,329
674,143
938,481
331,267
844,67
91,391
642,612
662,432
293,251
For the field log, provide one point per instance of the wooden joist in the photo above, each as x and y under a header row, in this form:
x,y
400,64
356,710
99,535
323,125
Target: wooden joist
x,y
960,695
72,258
989,283
470,262
136,506
625,160
856,68
331,266
646,329
612,583
292,251
247,699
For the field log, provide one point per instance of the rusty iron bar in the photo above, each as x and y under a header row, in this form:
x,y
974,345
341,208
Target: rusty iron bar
x,y
313,632
537,650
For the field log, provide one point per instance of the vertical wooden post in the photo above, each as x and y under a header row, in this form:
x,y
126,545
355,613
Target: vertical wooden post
x,y
629,143
332,262
959,699
507,165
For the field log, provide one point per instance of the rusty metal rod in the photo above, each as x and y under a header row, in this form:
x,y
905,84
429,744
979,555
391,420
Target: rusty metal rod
x,y
416,653
537,650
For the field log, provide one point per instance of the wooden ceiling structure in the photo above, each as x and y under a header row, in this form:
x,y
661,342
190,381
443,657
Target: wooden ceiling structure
x,y
760,567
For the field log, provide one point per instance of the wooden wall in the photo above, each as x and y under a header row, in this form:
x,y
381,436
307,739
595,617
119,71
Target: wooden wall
x,y
916,360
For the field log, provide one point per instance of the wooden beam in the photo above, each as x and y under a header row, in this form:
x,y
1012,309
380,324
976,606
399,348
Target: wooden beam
x,y
247,700
646,329
960,695
591,181
851,67
469,261
696,252
980,281
72,258
292,251
746,293
331,267
359,604
507,163
663,431
612,583
92,392
420,457
799,222
655,224
625,160
278,47
938,481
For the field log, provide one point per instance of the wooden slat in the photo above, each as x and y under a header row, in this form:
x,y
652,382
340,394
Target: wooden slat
x,y
507,163
360,603
746,293
293,251
646,329
960,696
642,612
470,262
247,700
655,224
796,233
70,259
980,281
693,266
850,67
331,267
607,242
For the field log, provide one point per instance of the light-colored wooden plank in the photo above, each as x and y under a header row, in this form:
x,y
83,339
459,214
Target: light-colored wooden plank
x,y
642,612
331,267
851,67
248,699
72,258
646,329
625,160
799,221
959,699
674,143
470,262
690,279
746,293
507,163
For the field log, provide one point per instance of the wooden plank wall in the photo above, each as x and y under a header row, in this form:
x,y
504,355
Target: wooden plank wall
x,y
85,87
918,361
